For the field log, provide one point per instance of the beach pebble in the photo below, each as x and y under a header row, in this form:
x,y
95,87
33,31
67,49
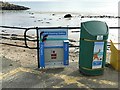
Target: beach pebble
x,y
13,34
72,60
48,22
53,14
32,17
3,57
31,13
40,20
9,49
10,65
3,30
82,16
44,18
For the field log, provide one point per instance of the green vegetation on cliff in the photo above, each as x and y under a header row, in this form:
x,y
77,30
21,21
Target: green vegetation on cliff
x,y
8,6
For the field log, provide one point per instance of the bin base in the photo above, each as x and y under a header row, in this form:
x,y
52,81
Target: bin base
x,y
91,72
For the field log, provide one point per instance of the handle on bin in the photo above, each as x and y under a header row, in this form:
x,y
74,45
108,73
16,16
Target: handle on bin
x,y
93,40
25,35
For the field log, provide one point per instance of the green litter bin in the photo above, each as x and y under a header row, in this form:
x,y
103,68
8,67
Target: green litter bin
x,y
93,46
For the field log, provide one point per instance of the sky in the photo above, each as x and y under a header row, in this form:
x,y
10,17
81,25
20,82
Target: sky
x,y
102,5
68,0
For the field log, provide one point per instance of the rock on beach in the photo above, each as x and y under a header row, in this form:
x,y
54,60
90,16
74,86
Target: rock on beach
x,y
68,16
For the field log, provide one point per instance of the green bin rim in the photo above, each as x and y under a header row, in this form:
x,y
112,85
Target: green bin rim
x,y
105,34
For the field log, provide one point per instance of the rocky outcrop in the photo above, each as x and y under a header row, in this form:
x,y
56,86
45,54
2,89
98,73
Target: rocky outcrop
x,y
8,6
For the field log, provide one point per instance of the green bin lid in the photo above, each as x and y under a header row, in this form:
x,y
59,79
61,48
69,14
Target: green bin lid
x,y
96,27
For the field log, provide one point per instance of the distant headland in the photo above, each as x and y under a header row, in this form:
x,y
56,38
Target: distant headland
x,y
8,6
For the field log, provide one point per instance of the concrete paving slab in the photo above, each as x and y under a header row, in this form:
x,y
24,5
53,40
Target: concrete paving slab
x,y
16,76
8,65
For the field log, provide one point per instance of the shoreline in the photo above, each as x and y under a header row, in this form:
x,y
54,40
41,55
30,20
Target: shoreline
x,y
80,14
86,14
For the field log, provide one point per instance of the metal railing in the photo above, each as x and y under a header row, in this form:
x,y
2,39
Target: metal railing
x,y
37,28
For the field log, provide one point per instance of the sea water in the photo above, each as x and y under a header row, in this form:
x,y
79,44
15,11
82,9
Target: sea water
x,y
51,14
